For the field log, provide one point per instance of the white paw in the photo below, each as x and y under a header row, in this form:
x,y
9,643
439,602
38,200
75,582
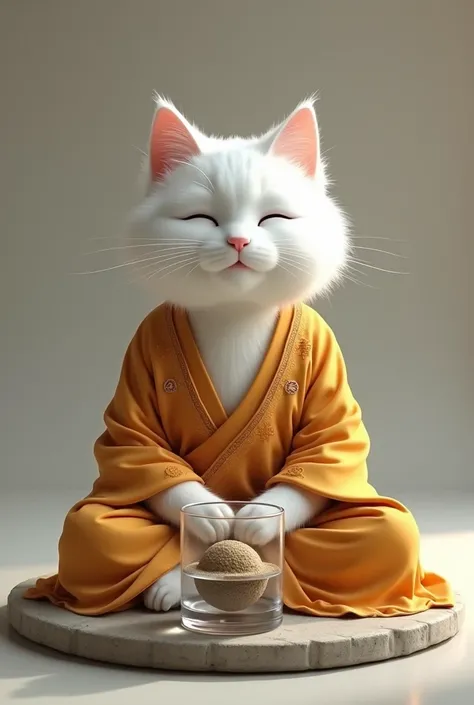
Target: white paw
x,y
251,527
165,594
216,523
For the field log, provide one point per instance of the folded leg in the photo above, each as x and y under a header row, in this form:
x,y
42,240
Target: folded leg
x,y
362,560
107,558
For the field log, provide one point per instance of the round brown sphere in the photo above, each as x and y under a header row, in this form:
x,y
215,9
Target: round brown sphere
x,y
223,560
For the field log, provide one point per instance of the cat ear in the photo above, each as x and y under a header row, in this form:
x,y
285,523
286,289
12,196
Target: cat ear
x,y
298,140
171,140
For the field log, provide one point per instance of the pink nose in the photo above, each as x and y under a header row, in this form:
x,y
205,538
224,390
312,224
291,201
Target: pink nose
x,y
238,242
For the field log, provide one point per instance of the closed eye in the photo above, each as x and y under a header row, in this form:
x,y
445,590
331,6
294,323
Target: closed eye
x,y
201,215
275,215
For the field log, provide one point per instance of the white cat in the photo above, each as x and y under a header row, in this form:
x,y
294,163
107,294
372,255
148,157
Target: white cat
x,y
242,227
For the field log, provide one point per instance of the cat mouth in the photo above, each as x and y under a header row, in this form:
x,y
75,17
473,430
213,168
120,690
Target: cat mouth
x,y
238,265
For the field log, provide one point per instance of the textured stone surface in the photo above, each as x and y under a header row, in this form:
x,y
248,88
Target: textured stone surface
x,y
141,638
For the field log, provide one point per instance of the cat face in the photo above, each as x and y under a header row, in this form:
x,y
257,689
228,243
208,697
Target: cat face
x,y
236,221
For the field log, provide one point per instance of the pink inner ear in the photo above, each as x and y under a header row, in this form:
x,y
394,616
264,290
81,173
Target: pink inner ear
x,y
170,142
298,141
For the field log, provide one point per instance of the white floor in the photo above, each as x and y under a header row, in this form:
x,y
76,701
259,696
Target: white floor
x,y
441,676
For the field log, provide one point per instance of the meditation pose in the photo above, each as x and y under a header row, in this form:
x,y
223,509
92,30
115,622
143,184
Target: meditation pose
x,y
233,388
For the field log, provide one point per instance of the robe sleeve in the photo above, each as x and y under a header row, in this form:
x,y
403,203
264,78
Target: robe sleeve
x,y
330,448
134,456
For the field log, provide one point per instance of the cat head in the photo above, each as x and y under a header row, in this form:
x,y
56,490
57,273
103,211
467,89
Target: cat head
x,y
237,221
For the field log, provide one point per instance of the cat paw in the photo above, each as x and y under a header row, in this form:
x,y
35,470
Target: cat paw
x,y
255,530
215,524
165,594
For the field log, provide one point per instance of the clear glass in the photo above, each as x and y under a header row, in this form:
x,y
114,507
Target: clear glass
x,y
229,590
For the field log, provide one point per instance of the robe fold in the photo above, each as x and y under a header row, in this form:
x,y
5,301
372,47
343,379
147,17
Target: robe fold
x,y
298,424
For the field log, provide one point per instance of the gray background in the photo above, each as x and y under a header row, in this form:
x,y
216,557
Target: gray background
x,y
396,112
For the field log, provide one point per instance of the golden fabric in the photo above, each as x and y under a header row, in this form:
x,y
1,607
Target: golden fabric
x,y
298,424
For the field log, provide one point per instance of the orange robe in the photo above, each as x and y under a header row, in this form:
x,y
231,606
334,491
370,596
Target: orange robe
x,y
298,424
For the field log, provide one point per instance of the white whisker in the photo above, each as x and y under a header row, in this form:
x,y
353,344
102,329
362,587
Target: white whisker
x,y
155,245
140,150
374,237
157,240
374,249
356,281
352,269
118,266
371,266
167,258
293,253
285,269
176,269
295,266
173,264
145,268
192,270
149,275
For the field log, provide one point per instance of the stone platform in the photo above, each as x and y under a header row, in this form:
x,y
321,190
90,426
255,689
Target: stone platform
x,y
141,638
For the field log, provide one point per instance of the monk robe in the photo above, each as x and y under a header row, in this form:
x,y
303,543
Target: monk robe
x,y
298,424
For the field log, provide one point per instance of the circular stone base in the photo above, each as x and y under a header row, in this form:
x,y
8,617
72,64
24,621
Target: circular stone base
x,y
301,643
